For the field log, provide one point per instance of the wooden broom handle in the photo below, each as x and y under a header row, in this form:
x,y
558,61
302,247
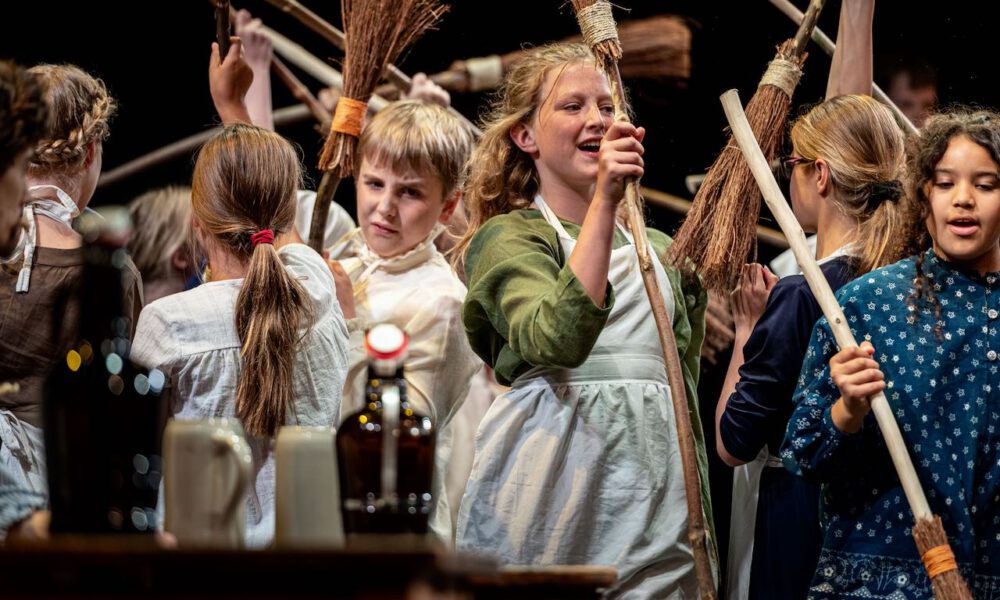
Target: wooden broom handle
x,y
828,46
336,37
824,295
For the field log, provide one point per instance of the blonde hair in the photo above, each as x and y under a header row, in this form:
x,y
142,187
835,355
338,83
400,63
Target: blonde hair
x,y
502,177
79,108
864,150
418,136
161,219
245,180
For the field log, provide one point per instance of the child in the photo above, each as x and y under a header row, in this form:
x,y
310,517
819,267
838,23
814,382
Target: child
x,y
265,339
161,243
22,119
412,158
848,152
39,324
929,328
579,462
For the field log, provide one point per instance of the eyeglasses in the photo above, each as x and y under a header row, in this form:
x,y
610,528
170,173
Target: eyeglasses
x,y
786,164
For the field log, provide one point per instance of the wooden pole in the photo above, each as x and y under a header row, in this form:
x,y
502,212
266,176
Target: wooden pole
x,y
607,53
828,46
782,212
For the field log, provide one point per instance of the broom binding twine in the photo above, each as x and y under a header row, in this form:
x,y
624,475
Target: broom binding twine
x,y
597,24
782,74
938,560
485,73
349,116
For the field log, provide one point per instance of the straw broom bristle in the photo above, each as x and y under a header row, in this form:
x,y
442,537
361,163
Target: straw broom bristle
x,y
929,533
376,33
718,234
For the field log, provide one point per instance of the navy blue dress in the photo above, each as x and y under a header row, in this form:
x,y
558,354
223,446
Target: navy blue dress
x,y
940,387
787,537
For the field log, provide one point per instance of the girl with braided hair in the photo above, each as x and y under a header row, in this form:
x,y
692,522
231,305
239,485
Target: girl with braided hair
x,y
930,328
36,281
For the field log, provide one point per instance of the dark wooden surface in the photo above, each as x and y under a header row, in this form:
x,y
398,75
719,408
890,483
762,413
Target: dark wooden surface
x,y
380,567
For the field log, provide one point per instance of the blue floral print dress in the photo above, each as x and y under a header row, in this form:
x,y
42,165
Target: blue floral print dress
x,y
940,366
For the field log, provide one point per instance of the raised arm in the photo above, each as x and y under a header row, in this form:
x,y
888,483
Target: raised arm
x,y
851,71
257,51
228,81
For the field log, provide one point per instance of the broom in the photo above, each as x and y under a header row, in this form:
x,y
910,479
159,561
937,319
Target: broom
x,y
718,235
657,48
378,31
600,33
827,45
398,79
222,27
932,542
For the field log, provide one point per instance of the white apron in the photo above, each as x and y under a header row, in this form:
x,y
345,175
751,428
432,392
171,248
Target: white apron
x,y
746,486
746,489
582,466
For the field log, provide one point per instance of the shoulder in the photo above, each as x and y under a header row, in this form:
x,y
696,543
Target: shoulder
x,y
310,268
890,280
516,234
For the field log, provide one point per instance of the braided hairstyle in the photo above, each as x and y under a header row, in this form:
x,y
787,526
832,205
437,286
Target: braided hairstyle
x,y
22,113
79,108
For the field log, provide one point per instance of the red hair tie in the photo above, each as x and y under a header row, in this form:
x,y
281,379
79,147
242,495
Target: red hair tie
x,y
264,236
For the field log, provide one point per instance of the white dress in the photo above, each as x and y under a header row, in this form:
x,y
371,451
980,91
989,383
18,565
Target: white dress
x,y
191,337
582,466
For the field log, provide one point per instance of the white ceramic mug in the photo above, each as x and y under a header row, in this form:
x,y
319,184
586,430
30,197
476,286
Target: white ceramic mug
x,y
207,467
307,497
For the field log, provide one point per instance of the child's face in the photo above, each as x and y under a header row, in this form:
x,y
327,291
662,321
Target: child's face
x,y
564,136
397,211
965,206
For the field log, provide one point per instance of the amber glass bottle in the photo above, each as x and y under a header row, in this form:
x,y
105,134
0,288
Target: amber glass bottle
x,y
386,449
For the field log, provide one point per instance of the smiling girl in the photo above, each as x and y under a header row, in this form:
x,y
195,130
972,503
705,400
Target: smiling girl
x,y
929,322
579,462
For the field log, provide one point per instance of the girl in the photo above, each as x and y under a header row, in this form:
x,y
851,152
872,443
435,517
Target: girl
x,y
578,463
847,153
161,243
265,339
929,322
38,324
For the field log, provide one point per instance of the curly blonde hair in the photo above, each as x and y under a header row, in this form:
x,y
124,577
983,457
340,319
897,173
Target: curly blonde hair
x,y
79,108
502,177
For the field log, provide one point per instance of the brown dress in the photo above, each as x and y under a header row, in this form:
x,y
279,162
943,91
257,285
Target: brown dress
x,y
37,328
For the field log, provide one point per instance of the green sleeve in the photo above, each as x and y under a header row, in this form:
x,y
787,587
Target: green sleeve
x,y
525,306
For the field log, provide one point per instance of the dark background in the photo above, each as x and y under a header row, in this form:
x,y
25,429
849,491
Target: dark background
x,y
153,57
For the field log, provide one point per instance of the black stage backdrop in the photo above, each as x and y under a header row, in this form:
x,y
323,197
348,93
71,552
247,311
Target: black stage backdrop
x,y
154,58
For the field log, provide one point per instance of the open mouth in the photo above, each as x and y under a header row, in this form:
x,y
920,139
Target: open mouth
x,y
590,146
963,226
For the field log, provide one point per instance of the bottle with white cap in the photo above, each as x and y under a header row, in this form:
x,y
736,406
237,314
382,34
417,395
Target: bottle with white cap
x,y
386,449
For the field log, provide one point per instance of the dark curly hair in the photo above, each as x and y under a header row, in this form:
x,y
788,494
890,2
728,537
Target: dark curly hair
x,y
22,113
924,152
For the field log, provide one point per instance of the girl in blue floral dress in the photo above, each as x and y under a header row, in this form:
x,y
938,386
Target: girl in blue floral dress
x,y
930,328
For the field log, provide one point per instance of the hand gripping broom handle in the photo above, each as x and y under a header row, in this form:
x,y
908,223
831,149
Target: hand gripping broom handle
x,y
824,295
671,359
827,45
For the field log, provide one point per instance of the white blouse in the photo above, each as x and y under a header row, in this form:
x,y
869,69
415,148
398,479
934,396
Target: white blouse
x,y
191,337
